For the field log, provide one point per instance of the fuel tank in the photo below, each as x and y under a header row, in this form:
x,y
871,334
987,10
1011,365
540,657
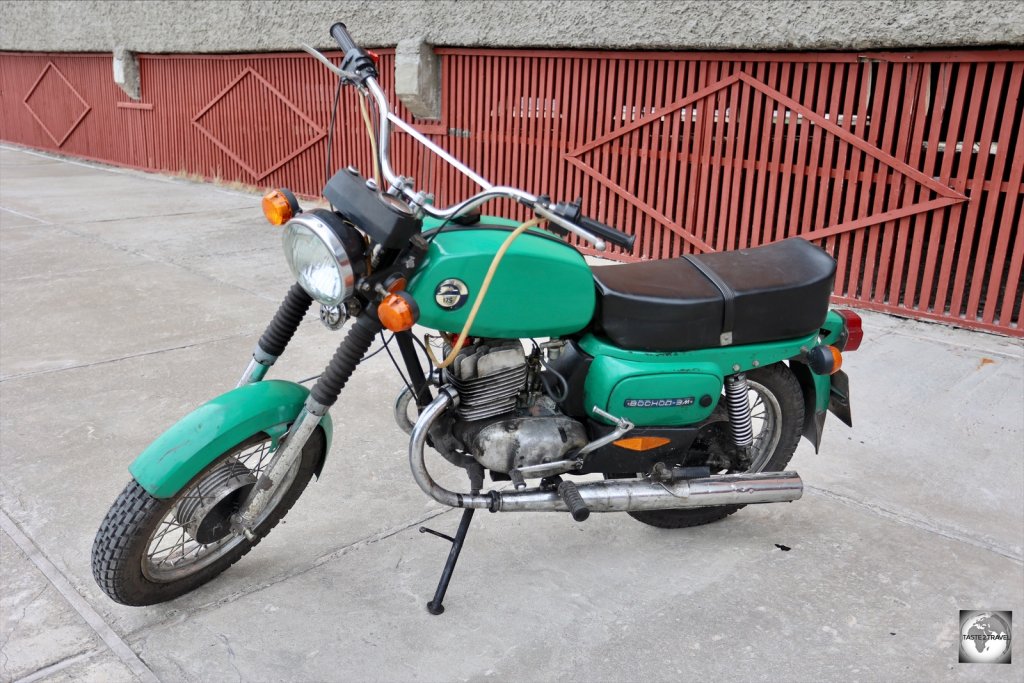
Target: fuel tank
x,y
542,287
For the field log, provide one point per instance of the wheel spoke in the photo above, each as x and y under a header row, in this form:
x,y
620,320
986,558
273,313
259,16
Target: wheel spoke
x,y
172,552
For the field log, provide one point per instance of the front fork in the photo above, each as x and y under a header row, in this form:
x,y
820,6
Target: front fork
x,y
322,396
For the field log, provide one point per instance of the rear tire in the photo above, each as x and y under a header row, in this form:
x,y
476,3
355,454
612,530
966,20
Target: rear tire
x,y
778,381
123,553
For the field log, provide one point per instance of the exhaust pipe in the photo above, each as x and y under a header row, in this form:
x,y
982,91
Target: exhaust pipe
x,y
616,495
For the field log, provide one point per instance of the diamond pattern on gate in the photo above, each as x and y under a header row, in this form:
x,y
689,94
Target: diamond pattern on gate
x,y
253,123
63,107
701,131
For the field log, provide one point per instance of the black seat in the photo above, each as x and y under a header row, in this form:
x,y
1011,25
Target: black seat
x,y
778,291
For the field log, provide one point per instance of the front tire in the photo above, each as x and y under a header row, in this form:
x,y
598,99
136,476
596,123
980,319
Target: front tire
x,y
778,391
144,554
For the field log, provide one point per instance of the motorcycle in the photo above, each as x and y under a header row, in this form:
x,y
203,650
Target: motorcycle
x,y
687,383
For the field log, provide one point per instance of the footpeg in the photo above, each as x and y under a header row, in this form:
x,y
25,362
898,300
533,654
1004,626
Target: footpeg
x,y
570,495
663,473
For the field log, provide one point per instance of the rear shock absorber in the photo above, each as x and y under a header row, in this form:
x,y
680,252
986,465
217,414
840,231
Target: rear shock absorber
x,y
738,406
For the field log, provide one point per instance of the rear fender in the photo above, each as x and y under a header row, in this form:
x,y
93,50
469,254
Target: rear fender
x,y
200,437
817,389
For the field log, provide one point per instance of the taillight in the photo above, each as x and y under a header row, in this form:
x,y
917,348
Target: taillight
x,y
854,330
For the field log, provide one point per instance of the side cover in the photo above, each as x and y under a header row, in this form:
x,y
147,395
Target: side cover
x,y
197,439
671,389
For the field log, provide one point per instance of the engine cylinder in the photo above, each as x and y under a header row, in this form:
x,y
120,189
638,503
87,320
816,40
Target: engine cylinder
x,y
489,379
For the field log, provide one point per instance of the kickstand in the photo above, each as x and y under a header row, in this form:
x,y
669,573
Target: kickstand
x,y
435,606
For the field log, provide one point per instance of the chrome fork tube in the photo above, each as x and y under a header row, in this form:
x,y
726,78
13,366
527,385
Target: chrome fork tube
x,y
257,368
289,452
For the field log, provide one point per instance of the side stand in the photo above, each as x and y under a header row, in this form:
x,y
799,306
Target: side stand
x,y
435,606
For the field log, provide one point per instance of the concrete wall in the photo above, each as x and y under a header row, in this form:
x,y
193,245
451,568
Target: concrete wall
x,y
247,26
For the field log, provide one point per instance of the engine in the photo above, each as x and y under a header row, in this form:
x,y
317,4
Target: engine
x,y
505,418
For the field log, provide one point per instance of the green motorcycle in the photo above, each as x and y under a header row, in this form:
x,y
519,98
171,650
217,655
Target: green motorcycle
x,y
686,383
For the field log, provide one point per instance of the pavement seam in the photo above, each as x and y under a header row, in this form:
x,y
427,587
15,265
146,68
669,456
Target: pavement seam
x,y
49,669
141,354
918,523
118,646
25,215
141,633
164,215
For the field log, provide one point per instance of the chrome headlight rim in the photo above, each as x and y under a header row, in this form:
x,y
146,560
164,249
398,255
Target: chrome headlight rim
x,y
346,264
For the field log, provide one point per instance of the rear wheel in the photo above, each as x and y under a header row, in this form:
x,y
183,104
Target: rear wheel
x,y
777,417
151,550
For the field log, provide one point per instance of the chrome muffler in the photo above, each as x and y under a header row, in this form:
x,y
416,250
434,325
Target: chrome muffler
x,y
616,495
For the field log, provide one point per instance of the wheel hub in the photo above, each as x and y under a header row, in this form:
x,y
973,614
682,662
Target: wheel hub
x,y
206,511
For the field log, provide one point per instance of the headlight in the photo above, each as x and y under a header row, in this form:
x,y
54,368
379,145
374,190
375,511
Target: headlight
x,y
325,255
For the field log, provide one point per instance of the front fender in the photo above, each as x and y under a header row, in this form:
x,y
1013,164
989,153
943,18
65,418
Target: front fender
x,y
200,437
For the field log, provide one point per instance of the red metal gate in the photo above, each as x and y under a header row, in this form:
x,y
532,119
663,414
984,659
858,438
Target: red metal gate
x,y
906,167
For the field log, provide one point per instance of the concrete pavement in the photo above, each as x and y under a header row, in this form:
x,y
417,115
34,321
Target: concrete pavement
x,y
126,299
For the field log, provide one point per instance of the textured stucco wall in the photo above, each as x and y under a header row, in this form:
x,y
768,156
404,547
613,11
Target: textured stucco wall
x,y
247,26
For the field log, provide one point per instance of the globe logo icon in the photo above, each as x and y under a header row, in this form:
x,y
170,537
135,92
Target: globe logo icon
x,y
984,637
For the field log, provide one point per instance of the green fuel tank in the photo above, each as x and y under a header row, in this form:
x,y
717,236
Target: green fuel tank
x,y
542,288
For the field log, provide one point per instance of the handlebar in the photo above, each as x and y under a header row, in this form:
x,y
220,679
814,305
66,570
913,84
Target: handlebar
x,y
360,68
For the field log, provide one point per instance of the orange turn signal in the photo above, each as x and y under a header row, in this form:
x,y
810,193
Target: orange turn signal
x,y
824,360
398,311
837,359
396,284
279,206
642,443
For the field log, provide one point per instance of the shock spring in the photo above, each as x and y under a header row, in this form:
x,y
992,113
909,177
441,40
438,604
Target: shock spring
x,y
738,406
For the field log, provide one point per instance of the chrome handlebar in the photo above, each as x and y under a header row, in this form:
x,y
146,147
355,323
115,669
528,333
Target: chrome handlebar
x,y
397,183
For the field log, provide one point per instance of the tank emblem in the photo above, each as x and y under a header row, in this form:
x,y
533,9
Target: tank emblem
x,y
451,294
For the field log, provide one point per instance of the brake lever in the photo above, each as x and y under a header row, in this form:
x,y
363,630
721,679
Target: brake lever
x,y
319,56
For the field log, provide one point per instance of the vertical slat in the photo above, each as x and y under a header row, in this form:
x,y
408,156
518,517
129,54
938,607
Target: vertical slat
x,y
1016,253
988,222
741,133
912,156
759,221
944,226
791,128
910,83
982,163
804,130
773,162
756,127
871,182
857,120
1013,191
967,139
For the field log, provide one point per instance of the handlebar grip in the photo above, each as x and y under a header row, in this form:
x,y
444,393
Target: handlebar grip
x,y
342,37
607,232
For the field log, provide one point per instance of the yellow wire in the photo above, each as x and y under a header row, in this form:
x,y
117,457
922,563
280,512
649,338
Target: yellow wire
x,y
483,292
373,140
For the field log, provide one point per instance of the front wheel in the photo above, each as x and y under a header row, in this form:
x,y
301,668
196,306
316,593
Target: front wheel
x,y
777,417
151,550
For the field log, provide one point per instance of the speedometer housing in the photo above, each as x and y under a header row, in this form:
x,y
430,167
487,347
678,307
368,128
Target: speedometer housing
x,y
388,221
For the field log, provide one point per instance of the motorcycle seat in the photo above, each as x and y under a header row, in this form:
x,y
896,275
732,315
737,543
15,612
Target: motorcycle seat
x,y
777,291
